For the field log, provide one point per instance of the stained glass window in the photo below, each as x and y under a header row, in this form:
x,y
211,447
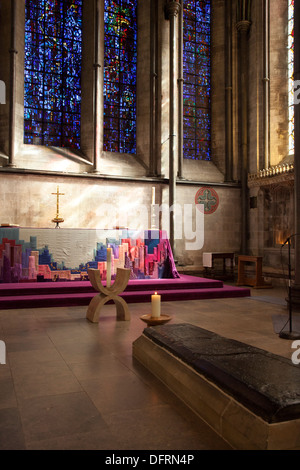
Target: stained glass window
x,y
53,53
197,79
120,62
291,75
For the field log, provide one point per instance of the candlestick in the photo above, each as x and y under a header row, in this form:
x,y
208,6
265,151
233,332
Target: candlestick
x,y
108,267
153,215
153,195
155,304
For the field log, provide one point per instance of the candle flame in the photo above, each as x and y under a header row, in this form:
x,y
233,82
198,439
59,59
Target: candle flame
x,y
155,293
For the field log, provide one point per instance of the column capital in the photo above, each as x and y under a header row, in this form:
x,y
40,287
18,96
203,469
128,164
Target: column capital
x,y
172,8
243,26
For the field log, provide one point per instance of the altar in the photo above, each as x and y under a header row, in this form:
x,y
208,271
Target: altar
x,y
65,254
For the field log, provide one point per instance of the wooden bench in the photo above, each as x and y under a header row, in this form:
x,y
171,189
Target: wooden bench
x,y
257,281
249,396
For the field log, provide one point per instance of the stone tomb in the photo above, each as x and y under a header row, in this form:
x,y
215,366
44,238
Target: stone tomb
x,y
249,396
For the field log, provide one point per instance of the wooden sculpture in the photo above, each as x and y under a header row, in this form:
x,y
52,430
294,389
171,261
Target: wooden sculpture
x,y
108,293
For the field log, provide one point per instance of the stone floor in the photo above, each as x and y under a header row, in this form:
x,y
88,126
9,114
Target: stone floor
x,y
71,384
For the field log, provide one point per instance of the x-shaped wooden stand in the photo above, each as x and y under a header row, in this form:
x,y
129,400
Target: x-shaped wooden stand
x,y
108,293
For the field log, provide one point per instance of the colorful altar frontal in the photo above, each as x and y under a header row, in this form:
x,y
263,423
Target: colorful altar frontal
x,y
45,254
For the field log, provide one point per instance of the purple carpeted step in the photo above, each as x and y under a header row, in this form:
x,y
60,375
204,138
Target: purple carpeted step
x,y
60,300
183,282
41,301
188,294
45,288
76,287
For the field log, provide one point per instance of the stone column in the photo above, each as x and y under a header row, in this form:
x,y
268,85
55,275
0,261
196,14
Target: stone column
x,y
12,88
98,94
228,91
153,86
266,84
180,93
172,9
243,27
296,287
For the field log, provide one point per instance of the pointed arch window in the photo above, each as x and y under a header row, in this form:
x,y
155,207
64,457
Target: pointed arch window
x,y
291,52
120,67
52,72
197,79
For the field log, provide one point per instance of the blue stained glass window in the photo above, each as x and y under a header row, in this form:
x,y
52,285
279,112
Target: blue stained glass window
x,y
120,62
52,81
197,79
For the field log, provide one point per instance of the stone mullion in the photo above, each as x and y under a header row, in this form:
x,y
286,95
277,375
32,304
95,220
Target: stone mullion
x,y
180,92
98,87
12,91
153,87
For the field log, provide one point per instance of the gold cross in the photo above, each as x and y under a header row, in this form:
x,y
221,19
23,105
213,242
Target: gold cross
x,y
58,218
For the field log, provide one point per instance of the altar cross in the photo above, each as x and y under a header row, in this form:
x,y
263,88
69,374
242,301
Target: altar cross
x,y
58,219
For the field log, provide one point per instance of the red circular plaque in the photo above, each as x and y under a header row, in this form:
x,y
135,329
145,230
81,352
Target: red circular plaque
x,y
208,199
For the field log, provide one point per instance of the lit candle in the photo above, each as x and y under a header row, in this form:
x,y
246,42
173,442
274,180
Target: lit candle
x,y
153,196
155,304
108,267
